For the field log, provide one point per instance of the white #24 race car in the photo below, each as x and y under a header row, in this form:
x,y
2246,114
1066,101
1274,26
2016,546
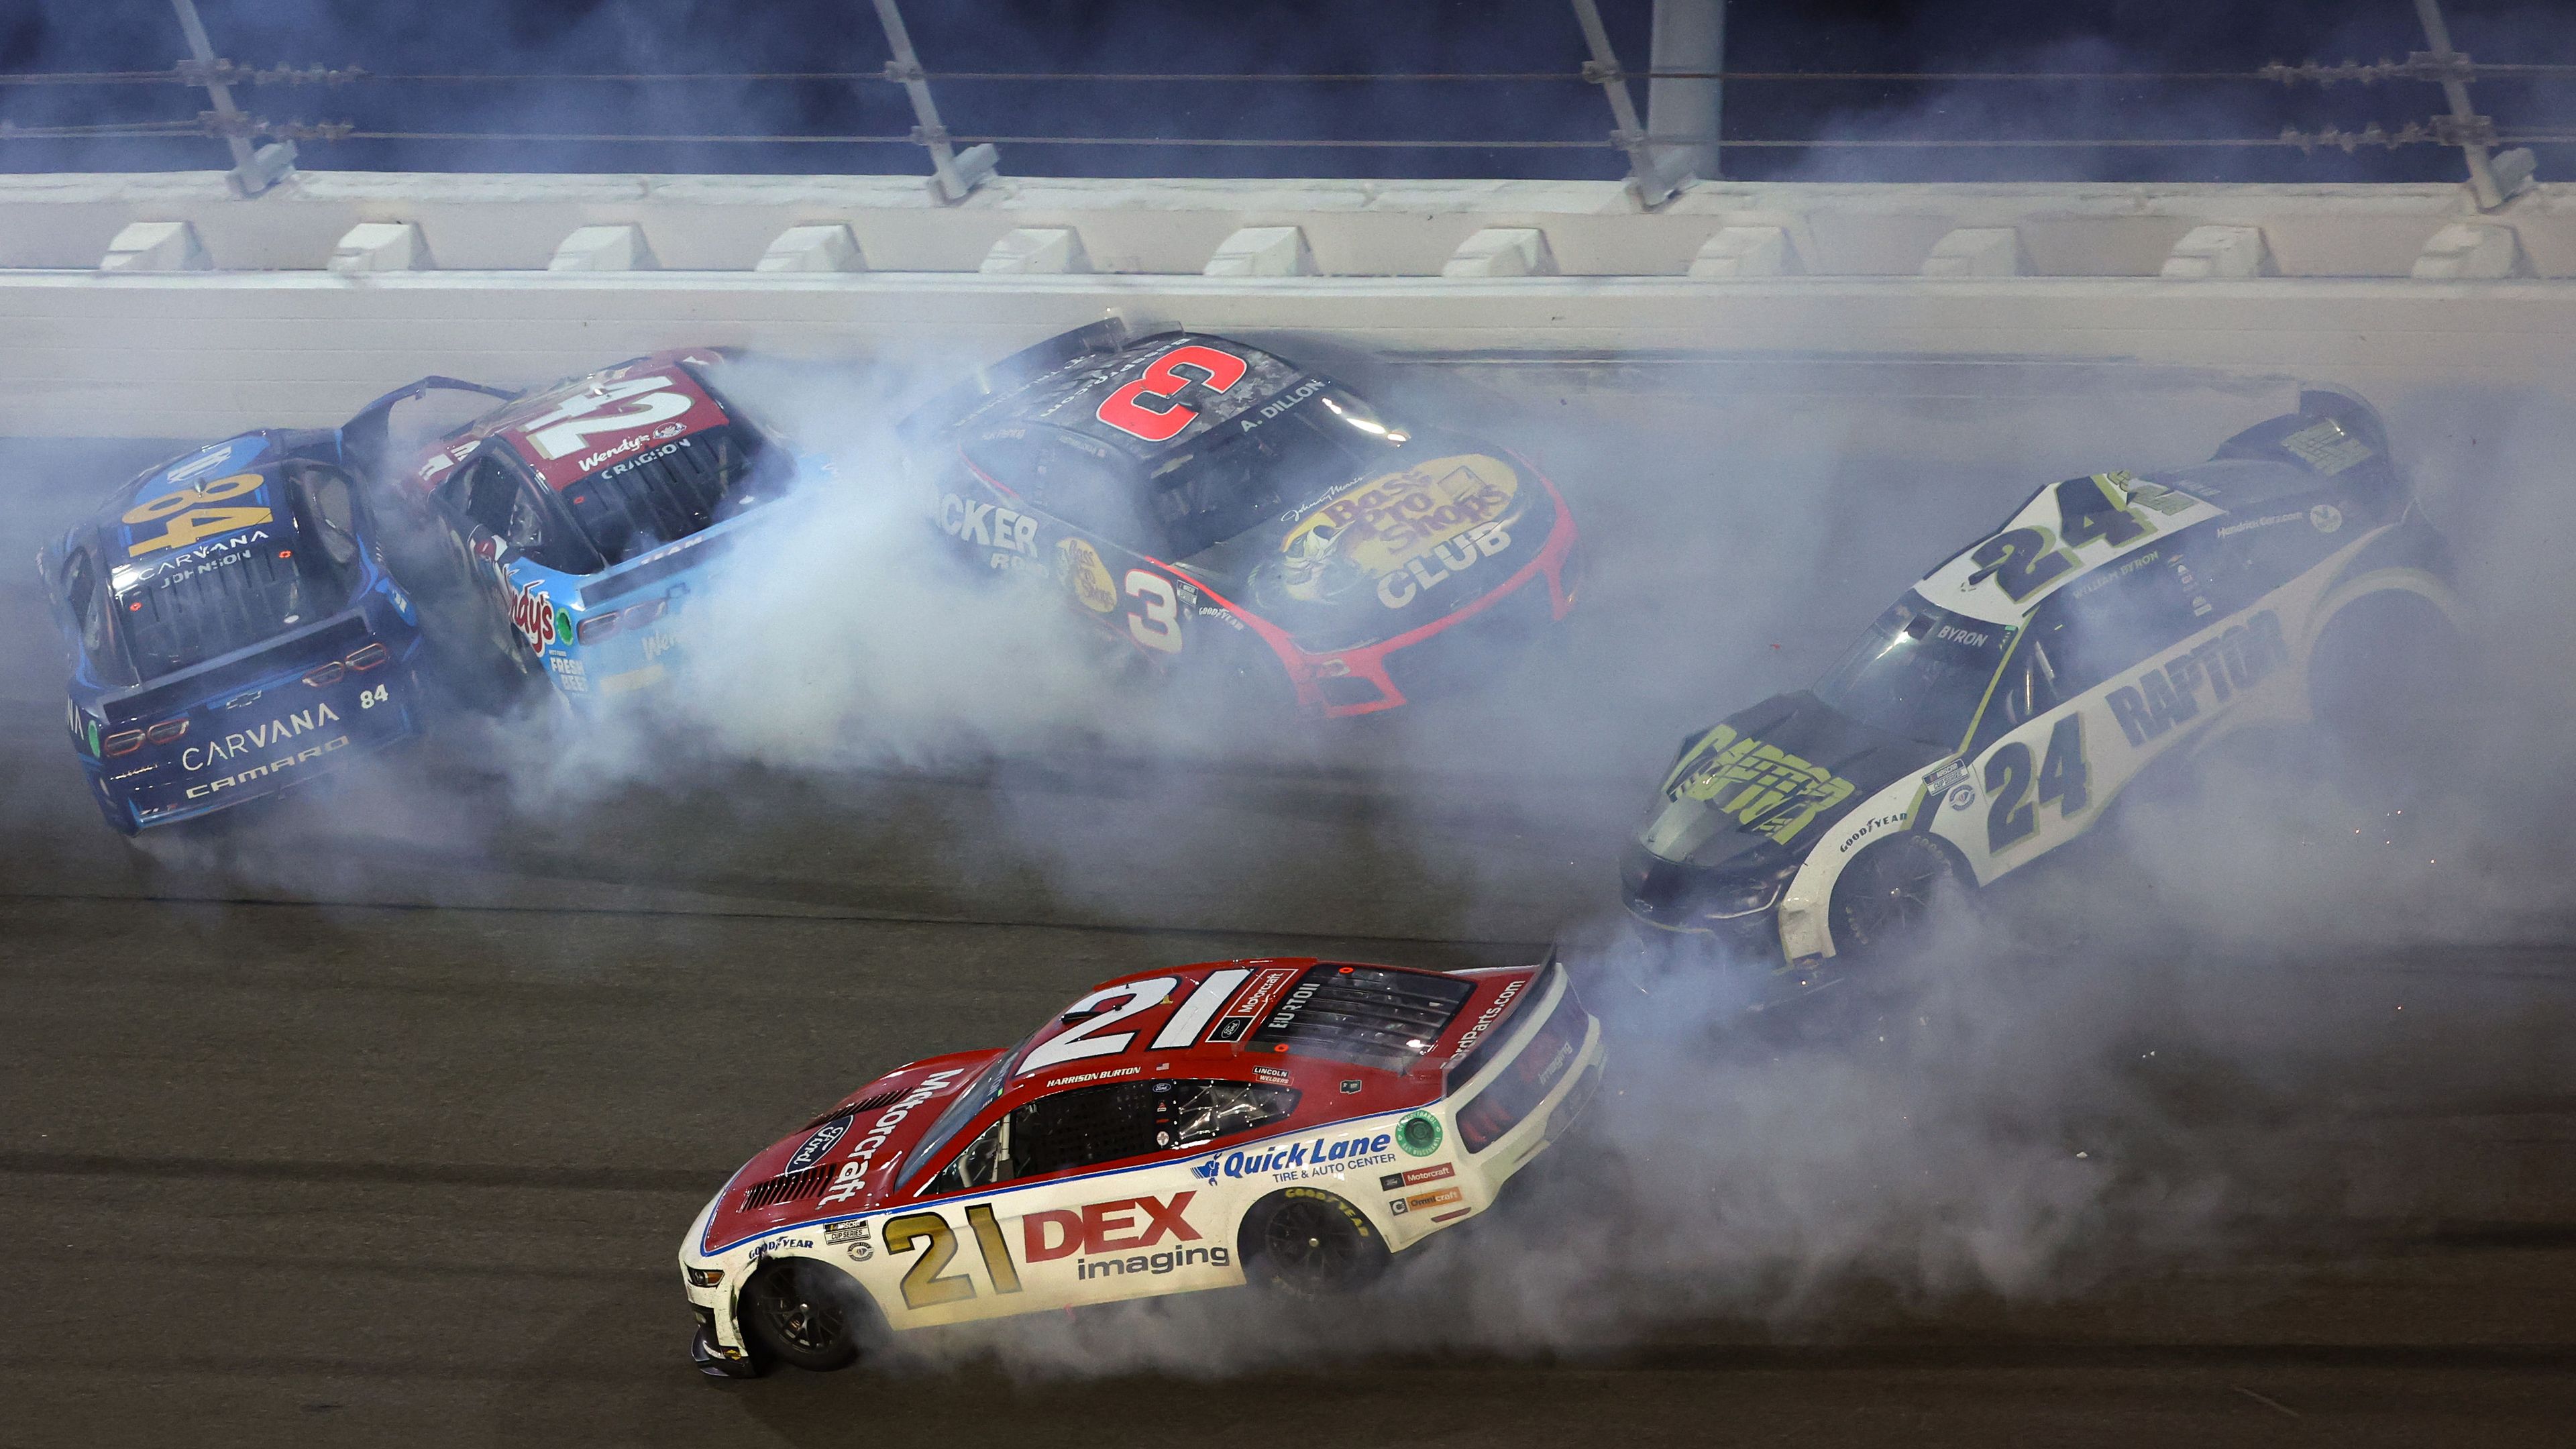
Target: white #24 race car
x,y
1290,1123
2113,624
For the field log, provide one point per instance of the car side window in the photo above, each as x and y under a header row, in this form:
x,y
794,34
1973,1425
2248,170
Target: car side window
x,y
2232,572
2116,620
2026,689
1067,1131
332,508
89,609
1092,492
485,492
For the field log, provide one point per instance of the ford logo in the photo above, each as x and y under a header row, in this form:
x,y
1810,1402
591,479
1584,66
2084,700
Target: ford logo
x,y
820,1144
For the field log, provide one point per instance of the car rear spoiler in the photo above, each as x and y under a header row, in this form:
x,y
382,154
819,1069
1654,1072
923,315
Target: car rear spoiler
x,y
2346,407
1107,335
362,437
2318,402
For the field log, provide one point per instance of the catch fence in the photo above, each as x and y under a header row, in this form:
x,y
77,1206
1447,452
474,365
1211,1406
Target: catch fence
x,y
1661,157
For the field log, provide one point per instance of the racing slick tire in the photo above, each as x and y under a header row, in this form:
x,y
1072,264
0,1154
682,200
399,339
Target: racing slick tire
x,y
805,1314
2388,683
1885,900
1308,1243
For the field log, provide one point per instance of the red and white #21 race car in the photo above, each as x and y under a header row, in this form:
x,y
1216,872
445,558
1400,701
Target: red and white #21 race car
x,y
1290,1123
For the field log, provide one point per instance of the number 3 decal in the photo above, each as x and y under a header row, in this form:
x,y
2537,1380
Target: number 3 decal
x,y
1159,626
1144,408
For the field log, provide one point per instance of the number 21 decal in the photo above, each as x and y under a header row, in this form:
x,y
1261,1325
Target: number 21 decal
x,y
1159,626
2062,778
924,1285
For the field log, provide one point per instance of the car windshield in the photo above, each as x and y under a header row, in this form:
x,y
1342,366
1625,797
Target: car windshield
x,y
1919,672
234,592
978,1095
1231,478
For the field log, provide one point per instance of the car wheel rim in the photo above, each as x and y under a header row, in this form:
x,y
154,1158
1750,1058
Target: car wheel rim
x,y
799,1319
1309,1243
1901,898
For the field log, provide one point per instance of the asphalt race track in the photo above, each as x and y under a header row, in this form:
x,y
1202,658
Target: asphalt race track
x,y
376,1118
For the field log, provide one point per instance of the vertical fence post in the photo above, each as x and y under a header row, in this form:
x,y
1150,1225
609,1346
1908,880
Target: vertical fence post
x,y
1689,35
2473,130
952,176
1653,179
254,171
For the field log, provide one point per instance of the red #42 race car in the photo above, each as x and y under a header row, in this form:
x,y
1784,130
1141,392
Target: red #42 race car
x,y
1210,505
1290,1123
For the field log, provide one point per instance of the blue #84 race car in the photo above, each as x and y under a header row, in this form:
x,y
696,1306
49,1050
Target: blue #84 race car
x,y
232,628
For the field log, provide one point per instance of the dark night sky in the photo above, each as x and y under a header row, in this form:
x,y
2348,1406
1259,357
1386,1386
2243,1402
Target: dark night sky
x,y
500,36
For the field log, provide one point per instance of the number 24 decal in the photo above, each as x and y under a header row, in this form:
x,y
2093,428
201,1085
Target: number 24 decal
x,y
2062,778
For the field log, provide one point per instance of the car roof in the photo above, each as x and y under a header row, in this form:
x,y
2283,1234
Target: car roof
x,y
261,452
2334,441
561,467
1069,397
1230,1013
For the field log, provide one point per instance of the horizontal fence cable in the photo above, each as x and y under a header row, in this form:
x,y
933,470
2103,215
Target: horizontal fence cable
x,y
2417,68
2411,134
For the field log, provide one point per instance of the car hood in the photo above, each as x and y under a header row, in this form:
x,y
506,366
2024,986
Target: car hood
x,y
1390,551
860,1145
1776,775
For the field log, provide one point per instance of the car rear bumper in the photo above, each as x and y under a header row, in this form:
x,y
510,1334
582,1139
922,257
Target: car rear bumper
x,y
287,745
1410,1206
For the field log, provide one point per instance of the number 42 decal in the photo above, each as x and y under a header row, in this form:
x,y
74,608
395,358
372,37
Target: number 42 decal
x,y
2062,778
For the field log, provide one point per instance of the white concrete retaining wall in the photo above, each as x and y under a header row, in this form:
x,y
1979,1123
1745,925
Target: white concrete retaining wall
x,y
1350,228
253,324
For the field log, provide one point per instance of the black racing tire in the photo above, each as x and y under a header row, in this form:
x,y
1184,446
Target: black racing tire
x,y
1307,1243
2390,687
806,1314
1885,900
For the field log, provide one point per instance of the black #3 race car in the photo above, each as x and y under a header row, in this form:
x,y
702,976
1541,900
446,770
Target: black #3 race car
x,y
1995,712
1199,498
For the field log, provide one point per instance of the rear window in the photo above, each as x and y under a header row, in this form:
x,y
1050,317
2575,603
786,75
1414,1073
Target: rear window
x,y
674,489
1371,1016
236,592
